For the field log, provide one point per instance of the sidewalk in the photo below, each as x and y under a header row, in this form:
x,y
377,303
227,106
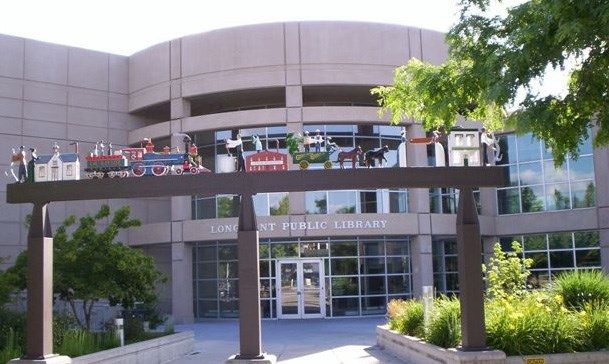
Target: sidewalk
x,y
320,341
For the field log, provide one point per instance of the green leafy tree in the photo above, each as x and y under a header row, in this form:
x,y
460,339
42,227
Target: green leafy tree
x,y
507,272
89,265
494,59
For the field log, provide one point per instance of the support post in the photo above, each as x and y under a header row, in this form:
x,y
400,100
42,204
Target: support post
x,y
250,341
471,291
39,341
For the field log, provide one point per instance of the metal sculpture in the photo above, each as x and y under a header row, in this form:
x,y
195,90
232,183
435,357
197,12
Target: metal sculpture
x,y
352,155
378,155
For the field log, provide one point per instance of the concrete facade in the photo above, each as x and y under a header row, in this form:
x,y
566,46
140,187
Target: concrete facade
x,y
52,93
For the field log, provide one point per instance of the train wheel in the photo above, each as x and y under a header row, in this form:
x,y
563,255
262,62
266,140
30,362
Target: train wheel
x,y
112,174
138,170
194,170
328,164
99,174
90,175
179,171
303,165
159,170
123,174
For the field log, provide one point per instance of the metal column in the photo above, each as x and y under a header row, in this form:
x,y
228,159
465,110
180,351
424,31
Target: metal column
x,y
471,290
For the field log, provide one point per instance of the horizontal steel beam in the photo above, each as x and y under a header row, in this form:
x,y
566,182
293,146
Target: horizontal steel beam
x,y
209,184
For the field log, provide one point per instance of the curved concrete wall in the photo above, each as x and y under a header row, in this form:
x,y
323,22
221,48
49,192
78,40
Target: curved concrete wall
x,y
280,54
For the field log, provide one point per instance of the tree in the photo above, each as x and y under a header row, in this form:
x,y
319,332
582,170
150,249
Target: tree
x,y
494,59
507,272
89,265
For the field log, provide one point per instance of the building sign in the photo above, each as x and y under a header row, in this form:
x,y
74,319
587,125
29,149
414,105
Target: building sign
x,y
295,226
535,361
265,161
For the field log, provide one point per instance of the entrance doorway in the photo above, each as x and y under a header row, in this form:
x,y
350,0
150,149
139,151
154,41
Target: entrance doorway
x,y
300,286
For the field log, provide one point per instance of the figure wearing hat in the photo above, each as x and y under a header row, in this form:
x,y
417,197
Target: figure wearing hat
x,y
19,157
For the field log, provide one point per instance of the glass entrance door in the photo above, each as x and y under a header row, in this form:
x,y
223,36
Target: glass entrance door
x,y
301,292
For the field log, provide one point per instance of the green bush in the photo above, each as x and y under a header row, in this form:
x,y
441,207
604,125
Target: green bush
x,y
595,327
582,287
532,324
81,342
10,347
445,323
410,320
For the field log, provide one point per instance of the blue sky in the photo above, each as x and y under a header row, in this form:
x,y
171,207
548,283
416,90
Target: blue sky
x,y
127,26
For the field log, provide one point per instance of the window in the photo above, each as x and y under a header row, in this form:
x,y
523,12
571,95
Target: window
x,y
535,184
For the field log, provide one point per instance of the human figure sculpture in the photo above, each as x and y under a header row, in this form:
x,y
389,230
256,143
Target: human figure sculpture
x,y
236,144
19,158
257,143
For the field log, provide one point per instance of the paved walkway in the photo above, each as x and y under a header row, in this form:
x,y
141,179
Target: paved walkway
x,y
329,341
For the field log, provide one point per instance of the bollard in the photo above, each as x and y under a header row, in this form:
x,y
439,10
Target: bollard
x,y
428,297
120,331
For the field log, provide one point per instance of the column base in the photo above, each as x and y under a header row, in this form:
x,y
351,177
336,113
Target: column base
x,y
48,359
266,359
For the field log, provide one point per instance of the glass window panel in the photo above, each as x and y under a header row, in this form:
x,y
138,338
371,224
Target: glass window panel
x,y
261,204
344,286
586,147
507,143
588,258
207,270
390,130
263,251
207,308
229,309
512,175
397,247
586,239
373,285
227,206
530,173
373,266
438,265
554,174
339,129
560,241
539,279
343,249
205,208
368,203
584,194
373,247
345,307
228,270
228,289
557,197
398,202
397,265
265,308
561,259
276,131
535,242
529,148
316,202
207,289
450,247
264,268
279,204
314,249
540,260
374,305
344,266
207,253
451,264
532,198
583,168
508,201
265,288
228,252
399,284
341,202
284,250
452,282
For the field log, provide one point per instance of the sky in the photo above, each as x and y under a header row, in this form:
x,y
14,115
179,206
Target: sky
x,y
127,26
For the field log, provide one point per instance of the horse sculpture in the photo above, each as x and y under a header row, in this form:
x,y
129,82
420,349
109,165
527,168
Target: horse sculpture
x,y
379,155
353,155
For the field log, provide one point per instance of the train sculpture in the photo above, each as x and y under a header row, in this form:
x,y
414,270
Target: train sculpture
x,y
106,162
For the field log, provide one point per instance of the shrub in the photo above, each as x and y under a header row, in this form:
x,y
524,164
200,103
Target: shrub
x,y
534,323
410,320
10,348
445,323
395,308
507,272
582,287
595,327
81,342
